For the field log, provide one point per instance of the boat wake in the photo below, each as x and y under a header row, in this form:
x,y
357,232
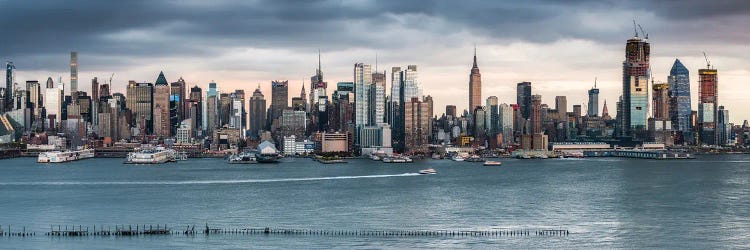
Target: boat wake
x,y
197,182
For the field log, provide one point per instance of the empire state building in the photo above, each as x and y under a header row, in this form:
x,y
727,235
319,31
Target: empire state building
x,y
475,86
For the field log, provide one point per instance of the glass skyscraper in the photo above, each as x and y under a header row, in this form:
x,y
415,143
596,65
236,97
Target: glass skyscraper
x,y
679,99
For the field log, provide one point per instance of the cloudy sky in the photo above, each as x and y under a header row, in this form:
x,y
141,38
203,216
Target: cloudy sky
x,y
560,46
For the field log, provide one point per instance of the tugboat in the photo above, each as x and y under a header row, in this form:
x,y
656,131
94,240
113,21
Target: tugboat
x,y
428,171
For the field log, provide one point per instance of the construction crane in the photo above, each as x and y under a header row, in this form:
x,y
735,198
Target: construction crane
x,y
708,63
643,32
110,79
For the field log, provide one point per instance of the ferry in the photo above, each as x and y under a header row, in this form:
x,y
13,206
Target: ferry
x,y
493,163
64,156
428,171
397,159
243,158
151,156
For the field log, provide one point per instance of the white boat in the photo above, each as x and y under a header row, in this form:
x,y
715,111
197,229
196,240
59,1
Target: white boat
x,y
428,171
457,158
493,163
151,156
64,156
243,158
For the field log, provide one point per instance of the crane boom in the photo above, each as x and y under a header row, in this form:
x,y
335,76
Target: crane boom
x,y
708,63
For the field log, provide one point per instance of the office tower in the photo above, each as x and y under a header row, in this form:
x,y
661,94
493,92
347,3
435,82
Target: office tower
x,y
225,108
680,104
660,99
536,114
10,77
450,110
708,99
240,95
506,122
195,108
362,82
523,98
319,100
94,101
299,102
395,93
53,102
237,109
635,76
492,121
377,99
293,122
279,99
210,109
73,73
475,85
34,104
342,114
417,123
161,120
593,107
479,130
104,91
178,95
410,83
257,108
561,105
140,97
723,127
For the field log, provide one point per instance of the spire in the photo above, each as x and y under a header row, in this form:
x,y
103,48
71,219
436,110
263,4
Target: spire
x,y
320,70
475,56
594,82
161,80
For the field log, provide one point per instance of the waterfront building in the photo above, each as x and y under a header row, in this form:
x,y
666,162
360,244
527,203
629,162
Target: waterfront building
x,y
375,138
680,106
293,122
184,132
334,142
636,73
225,138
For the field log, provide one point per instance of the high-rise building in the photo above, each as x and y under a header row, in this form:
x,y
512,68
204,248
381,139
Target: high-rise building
x,y
635,75
450,110
162,92
279,99
708,99
492,121
680,104
536,114
342,114
319,100
417,123
410,83
395,94
660,100
475,85
506,122
195,108
377,99
724,127
94,101
593,105
257,108
10,77
523,98
236,114
225,108
140,101
177,93
73,73
409,88
362,82
211,109
53,104
561,105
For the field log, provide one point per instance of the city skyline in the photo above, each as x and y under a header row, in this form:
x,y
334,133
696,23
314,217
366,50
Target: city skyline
x,y
564,62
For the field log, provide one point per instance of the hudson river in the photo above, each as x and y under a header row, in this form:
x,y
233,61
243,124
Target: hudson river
x,y
603,203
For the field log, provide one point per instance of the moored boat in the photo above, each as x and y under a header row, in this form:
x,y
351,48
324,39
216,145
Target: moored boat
x,y
493,163
64,156
151,156
243,158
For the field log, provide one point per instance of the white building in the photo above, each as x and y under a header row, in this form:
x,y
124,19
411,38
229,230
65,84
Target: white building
x,y
362,82
506,122
183,132
53,98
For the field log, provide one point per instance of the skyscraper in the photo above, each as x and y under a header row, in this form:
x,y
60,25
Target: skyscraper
x,y
377,99
195,108
395,94
210,108
680,104
73,73
492,123
660,100
53,98
257,108
536,114
177,95
10,77
593,107
279,99
475,85
362,82
635,75
140,97
523,98
708,99
417,123
162,91
94,102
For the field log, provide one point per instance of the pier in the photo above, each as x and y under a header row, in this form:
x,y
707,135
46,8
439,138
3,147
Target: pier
x,y
190,230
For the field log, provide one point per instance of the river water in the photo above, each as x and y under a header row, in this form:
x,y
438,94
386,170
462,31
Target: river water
x,y
604,202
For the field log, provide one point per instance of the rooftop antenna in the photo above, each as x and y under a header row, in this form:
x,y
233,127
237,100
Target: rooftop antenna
x,y
634,28
708,63
595,82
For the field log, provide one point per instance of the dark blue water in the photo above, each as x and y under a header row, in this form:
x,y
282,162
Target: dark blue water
x,y
605,203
